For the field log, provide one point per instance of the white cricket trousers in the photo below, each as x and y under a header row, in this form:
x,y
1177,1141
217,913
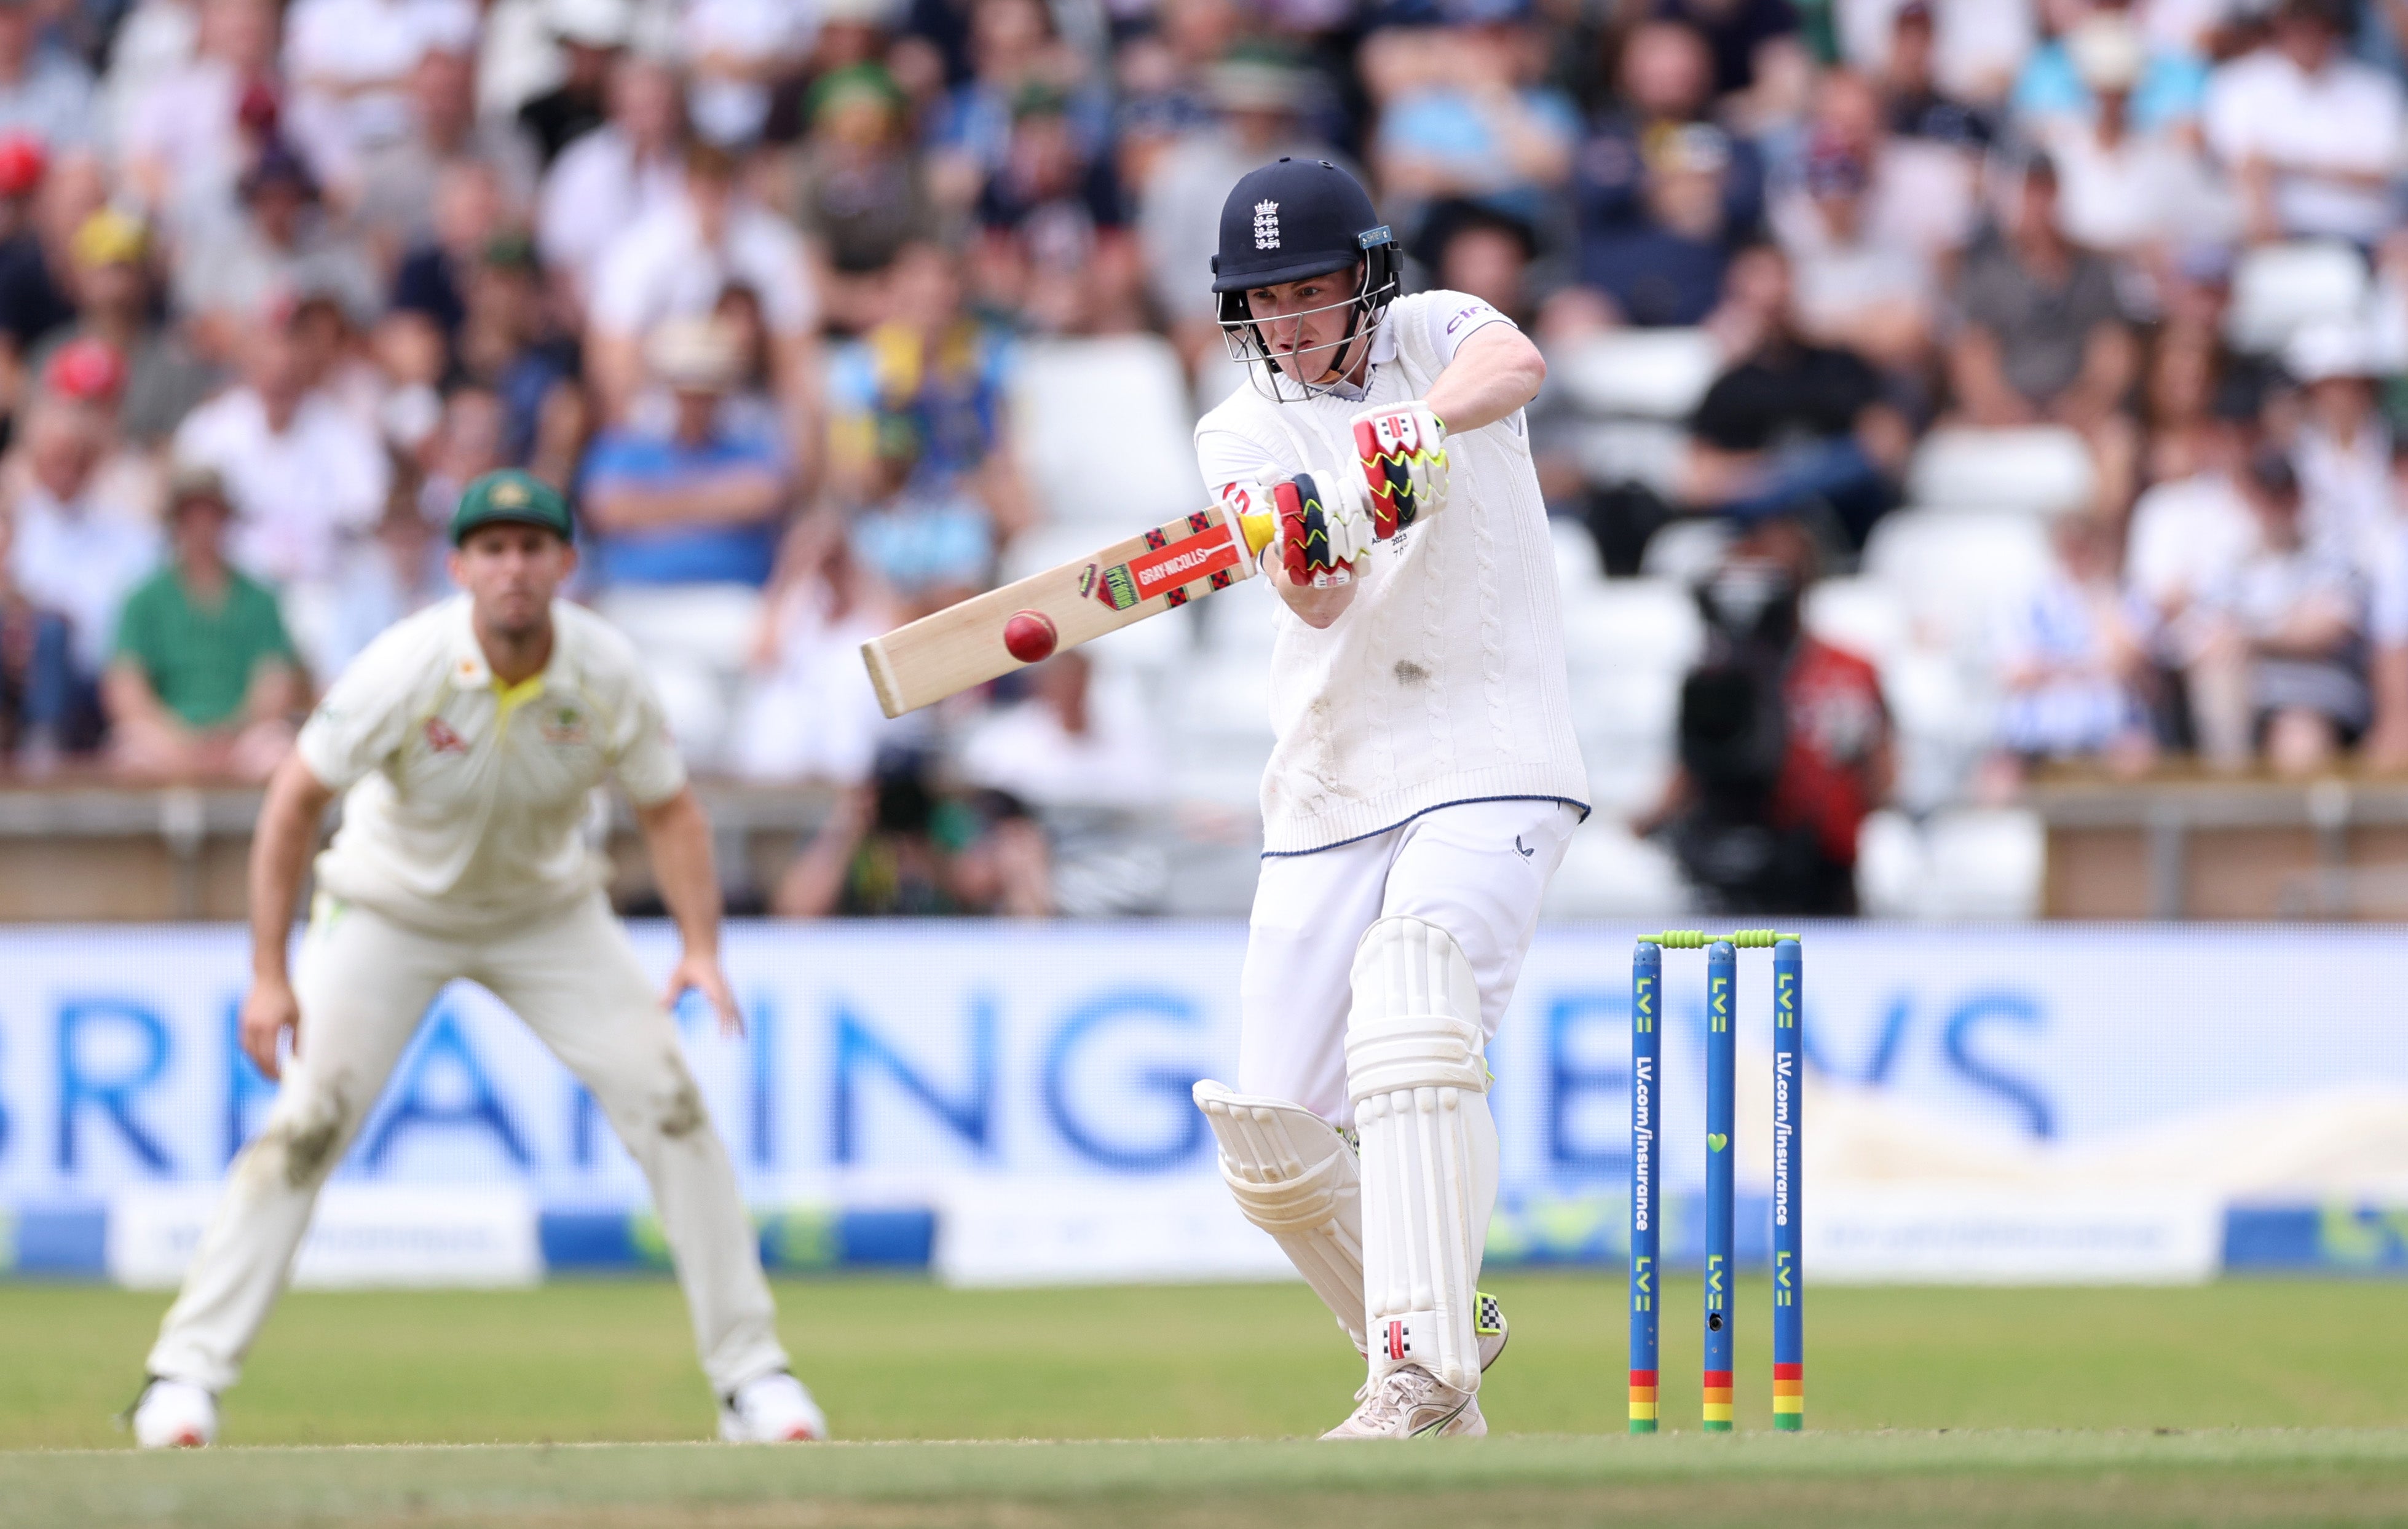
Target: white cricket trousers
x,y
363,981
1477,870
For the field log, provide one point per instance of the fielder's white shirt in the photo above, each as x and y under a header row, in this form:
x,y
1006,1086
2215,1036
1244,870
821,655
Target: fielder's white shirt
x,y
465,801
1444,681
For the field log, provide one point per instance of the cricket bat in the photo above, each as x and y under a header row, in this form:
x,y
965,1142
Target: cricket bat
x,y
1022,624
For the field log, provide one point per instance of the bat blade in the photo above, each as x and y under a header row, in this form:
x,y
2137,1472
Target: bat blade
x,y
963,645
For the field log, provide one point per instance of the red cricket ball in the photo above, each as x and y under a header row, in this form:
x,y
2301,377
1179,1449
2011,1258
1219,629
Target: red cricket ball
x,y
1030,636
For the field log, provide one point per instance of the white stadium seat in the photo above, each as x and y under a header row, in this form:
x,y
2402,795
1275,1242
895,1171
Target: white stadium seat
x,y
1864,615
1955,570
1632,623
2044,469
1687,550
1106,432
1607,873
2278,288
1577,563
1650,373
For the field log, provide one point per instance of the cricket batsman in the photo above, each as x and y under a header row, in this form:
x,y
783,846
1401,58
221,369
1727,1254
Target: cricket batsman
x,y
1424,784
466,741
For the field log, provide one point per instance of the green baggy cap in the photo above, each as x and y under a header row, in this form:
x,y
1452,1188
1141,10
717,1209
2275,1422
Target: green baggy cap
x,y
511,495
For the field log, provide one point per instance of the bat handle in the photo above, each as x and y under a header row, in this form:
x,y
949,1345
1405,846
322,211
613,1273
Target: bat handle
x,y
1258,530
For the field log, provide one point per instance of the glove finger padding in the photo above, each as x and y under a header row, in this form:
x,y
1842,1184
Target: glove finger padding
x,y
1314,546
1403,455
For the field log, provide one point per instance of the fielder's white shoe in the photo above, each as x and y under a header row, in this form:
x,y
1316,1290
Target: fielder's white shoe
x,y
1411,1403
174,1415
774,1409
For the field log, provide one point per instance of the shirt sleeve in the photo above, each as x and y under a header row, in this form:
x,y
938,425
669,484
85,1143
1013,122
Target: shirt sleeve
x,y
1454,317
133,641
641,754
1228,456
366,714
624,282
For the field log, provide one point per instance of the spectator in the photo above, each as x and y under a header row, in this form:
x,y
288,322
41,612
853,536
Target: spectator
x,y
510,344
185,144
2309,136
397,571
2163,86
431,283
2283,659
2040,335
1084,758
45,91
284,248
616,176
117,303
33,300
1783,742
591,36
686,516
2073,658
1051,750
77,551
1055,244
37,679
350,62
391,184
2343,448
1667,269
2131,185
736,51
1918,191
1664,81
1014,52
1919,105
301,473
1472,247
1168,82
203,682
923,533
1852,290
944,372
897,848
2190,534
860,192
676,263
1760,65
810,714
1791,428
1259,103
1458,117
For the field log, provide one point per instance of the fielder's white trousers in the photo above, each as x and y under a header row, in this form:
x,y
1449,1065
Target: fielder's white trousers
x,y
363,981
1477,871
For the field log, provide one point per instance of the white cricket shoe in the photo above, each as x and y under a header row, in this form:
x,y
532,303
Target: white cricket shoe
x,y
1411,1403
773,1409
175,1415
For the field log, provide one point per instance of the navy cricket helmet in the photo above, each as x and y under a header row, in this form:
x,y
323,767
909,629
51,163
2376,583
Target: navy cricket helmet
x,y
1294,219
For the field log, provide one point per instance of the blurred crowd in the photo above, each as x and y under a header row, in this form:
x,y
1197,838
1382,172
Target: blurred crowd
x,y
751,280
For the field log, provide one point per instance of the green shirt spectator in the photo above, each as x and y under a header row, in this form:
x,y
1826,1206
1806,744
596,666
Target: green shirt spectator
x,y
204,684
200,655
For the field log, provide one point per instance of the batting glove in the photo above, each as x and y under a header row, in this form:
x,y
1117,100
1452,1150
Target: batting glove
x,y
1324,526
1402,449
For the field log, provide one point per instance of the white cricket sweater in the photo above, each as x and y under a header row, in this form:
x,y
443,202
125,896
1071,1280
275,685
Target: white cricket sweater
x,y
1443,681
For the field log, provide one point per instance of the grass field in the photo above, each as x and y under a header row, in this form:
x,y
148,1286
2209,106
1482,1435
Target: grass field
x,y
2242,1402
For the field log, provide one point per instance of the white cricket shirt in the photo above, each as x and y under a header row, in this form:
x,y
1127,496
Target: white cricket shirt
x,y
1444,681
465,801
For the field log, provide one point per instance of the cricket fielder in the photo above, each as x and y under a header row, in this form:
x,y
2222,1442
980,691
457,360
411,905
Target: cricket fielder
x,y
467,740
1424,784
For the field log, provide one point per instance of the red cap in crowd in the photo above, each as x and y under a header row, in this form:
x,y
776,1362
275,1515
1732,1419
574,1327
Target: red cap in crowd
x,y
22,163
